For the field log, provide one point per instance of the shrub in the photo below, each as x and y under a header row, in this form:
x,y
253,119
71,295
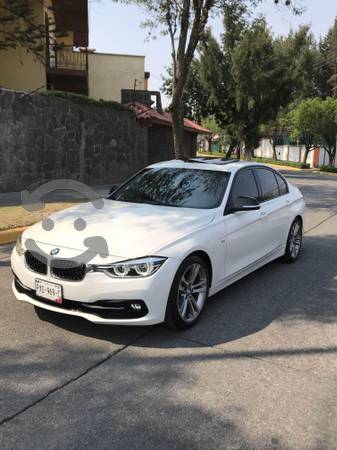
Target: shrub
x,y
328,169
299,165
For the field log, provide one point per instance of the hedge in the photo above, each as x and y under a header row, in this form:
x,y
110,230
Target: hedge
x,y
328,169
299,165
79,98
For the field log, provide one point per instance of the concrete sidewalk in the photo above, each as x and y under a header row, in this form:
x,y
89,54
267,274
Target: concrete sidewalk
x,y
14,198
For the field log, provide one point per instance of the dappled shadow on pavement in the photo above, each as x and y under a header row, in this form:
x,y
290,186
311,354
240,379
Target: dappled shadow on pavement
x,y
172,398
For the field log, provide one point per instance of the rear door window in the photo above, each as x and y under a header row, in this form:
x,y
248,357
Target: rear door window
x,y
281,184
268,184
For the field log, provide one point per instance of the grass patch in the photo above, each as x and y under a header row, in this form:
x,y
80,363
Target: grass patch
x,y
83,99
17,216
328,169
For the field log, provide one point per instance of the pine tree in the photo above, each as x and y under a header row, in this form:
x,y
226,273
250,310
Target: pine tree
x,y
328,49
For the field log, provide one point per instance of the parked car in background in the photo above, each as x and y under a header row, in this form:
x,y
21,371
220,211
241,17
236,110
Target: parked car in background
x,y
176,233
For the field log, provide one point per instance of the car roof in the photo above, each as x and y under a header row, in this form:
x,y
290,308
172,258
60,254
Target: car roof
x,y
218,164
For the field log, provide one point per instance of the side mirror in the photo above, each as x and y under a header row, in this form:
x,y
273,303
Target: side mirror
x,y
113,188
245,203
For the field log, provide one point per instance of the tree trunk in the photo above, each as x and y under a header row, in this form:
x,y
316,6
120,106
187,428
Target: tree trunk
x,y
238,151
306,153
209,144
332,156
249,153
230,151
177,111
272,142
178,131
189,36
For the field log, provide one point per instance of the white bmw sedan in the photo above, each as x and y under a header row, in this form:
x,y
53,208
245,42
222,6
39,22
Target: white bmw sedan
x,y
166,240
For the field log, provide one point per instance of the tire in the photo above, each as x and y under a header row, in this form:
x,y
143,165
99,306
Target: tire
x,y
294,241
188,293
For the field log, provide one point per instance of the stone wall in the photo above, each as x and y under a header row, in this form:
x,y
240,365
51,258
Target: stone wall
x,y
44,137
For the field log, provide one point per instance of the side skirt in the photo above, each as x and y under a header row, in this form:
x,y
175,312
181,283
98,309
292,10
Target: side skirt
x,y
277,253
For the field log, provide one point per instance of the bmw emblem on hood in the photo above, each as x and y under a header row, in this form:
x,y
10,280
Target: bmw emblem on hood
x,y
55,251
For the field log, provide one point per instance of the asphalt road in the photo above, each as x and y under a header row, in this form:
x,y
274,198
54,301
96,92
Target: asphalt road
x,y
258,372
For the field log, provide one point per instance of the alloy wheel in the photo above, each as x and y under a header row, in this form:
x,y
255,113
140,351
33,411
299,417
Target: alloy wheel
x,y
192,292
295,239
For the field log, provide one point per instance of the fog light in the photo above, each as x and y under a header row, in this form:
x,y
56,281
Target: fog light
x,y
136,306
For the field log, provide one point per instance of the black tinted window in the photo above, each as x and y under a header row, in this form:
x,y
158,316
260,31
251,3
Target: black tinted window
x,y
281,184
268,183
244,185
186,188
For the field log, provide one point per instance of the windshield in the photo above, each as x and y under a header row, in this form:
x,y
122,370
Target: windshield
x,y
187,188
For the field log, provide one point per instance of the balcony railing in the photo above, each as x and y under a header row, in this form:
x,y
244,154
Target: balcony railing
x,y
65,57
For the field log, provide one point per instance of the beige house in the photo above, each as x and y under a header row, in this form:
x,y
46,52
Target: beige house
x,y
19,69
67,63
110,73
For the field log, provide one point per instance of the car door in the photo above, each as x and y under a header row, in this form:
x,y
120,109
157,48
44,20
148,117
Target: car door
x,y
274,201
245,237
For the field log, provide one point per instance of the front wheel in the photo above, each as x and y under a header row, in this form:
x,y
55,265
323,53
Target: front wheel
x,y
188,293
294,242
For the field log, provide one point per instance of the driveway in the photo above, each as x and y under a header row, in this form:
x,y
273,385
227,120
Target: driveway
x,y
258,372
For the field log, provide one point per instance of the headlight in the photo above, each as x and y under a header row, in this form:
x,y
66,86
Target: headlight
x,y
140,267
19,248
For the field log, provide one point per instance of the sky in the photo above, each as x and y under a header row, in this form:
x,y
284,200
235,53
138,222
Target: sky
x,y
116,28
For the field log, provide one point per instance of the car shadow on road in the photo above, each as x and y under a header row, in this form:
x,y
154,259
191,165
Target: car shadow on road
x,y
288,293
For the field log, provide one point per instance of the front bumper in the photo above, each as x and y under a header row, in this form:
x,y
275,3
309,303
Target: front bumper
x,y
99,298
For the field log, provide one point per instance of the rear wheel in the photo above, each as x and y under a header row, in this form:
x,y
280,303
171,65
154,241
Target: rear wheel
x,y
294,242
188,293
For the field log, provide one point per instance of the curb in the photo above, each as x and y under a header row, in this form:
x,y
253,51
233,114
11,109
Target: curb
x,y
11,235
323,172
290,168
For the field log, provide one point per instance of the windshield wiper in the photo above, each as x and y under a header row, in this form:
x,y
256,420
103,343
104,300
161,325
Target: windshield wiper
x,y
143,201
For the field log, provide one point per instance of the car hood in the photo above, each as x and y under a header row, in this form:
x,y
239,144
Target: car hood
x,y
130,230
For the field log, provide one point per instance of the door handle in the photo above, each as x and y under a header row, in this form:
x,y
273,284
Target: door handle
x,y
263,214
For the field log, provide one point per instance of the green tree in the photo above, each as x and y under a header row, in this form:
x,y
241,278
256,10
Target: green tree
x,y
210,123
304,63
303,120
195,97
184,21
328,67
272,130
327,127
261,84
215,73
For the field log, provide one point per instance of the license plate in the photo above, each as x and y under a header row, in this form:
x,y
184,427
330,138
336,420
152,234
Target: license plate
x,y
48,291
